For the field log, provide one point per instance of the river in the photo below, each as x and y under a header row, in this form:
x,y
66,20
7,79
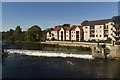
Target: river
x,y
33,64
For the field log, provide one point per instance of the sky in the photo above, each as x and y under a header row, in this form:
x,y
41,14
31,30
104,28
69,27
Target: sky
x,y
50,14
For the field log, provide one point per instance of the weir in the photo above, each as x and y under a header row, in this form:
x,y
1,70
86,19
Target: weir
x,y
47,53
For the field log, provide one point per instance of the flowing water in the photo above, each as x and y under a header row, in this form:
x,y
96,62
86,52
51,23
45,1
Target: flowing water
x,y
50,64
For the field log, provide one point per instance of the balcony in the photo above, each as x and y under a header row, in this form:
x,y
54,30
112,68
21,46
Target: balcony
x,y
92,28
92,33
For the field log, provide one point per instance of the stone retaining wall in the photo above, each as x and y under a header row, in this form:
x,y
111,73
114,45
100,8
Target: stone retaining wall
x,y
113,54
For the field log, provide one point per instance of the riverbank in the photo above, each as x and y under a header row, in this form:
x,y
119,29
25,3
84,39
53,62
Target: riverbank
x,y
46,47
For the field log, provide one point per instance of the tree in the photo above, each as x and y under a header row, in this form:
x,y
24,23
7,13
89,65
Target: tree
x,y
17,33
47,30
33,33
8,36
66,25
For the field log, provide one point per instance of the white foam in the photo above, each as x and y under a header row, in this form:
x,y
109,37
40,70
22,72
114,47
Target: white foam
x,y
47,53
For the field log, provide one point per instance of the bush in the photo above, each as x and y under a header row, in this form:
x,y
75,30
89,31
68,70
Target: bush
x,y
103,46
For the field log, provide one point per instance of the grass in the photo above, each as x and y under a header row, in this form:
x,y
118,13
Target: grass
x,y
38,46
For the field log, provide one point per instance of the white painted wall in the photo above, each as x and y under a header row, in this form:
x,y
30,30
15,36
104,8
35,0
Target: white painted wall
x,y
55,34
86,30
63,34
68,35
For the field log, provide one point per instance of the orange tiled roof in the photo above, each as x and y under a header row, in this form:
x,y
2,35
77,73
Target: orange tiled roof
x,y
67,28
74,27
56,29
81,27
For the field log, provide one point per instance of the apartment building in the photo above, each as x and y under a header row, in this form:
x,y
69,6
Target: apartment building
x,y
88,30
66,33
76,33
99,29
54,33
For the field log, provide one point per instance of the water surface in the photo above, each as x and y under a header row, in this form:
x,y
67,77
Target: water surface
x,y
24,66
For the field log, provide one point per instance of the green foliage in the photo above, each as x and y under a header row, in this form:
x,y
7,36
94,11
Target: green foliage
x,y
103,46
17,34
8,36
33,33
77,48
66,25
47,30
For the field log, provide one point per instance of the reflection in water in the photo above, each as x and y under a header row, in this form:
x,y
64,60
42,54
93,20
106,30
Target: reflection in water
x,y
17,65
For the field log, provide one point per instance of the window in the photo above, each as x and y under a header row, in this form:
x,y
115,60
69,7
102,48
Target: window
x,y
106,26
72,35
111,28
85,31
96,35
100,35
111,34
67,35
100,26
86,27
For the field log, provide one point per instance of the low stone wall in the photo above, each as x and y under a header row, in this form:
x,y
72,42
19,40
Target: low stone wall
x,y
98,52
114,52
111,52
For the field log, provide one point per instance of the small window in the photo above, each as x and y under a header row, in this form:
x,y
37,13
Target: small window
x,y
107,26
86,27
100,35
96,35
100,26
111,34
111,28
72,35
